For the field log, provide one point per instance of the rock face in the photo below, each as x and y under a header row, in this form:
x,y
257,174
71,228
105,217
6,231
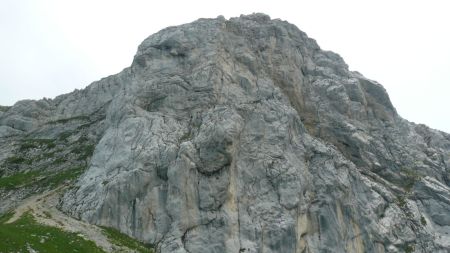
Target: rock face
x,y
242,135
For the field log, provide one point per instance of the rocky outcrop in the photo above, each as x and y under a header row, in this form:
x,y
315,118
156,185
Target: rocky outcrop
x,y
242,135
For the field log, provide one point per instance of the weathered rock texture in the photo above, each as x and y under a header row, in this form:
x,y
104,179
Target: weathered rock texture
x,y
242,135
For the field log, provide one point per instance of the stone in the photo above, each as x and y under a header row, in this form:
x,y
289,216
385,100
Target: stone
x,y
242,135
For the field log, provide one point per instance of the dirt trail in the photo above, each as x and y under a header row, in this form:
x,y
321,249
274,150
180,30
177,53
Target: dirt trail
x,y
43,208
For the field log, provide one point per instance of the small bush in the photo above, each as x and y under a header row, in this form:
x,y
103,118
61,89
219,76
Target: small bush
x,y
411,177
423,221
401,202
409,248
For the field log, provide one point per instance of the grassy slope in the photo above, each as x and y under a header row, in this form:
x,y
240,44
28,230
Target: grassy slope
x,y
118,238
27,233
25,179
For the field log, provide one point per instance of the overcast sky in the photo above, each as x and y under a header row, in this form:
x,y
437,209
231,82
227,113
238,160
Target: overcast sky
x,y
50,47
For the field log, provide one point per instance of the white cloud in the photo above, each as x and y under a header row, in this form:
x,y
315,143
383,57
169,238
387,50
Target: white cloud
x,y
49,47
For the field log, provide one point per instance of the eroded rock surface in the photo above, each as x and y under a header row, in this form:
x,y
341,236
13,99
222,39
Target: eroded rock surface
x,y
242,135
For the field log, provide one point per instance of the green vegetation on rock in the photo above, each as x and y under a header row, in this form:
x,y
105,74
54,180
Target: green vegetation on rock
x,y
63,136
84,151
4,108
59,161
423,221
409,248
45,156
121,239
37,143
26,235
5,217
57,179
401,201
18,180
411,178
18,160
40,178
62,121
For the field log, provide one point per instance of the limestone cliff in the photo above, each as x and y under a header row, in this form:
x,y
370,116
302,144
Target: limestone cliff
x,y
242,135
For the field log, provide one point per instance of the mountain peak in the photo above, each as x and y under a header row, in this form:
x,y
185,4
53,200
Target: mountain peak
x,y
239,135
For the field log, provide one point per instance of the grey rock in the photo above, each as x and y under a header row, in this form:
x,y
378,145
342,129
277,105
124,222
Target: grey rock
x,y
242,135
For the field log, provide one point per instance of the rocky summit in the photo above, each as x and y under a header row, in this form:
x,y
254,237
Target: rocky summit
x,y
237,135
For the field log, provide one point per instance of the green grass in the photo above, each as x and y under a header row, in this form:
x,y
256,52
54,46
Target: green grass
x,y
37,143
27,233
62,121
84,151
59,161
63,136
121,239
5,217
17,160
18,180
41,178
57,179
